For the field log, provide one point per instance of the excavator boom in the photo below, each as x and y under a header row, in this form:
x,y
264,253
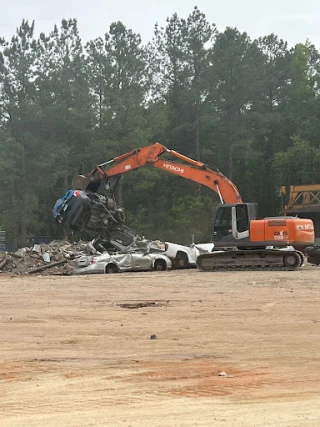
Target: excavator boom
x,y
151,155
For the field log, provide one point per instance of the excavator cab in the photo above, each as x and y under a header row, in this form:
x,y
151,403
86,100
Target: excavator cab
x,y
231,223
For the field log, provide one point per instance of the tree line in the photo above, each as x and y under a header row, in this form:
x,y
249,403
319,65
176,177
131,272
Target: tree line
x,y
250,108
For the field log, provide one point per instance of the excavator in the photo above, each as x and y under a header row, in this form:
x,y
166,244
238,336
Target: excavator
x,y
240,238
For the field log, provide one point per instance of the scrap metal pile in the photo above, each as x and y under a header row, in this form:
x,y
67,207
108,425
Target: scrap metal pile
x,y
95,214
56,258
61,257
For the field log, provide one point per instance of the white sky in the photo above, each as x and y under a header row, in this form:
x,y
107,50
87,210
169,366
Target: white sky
x,y
292,20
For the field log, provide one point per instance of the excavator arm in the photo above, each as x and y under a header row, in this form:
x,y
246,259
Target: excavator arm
x,y
151,155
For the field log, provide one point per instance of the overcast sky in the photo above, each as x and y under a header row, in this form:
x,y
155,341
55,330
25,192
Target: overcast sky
x,y
292,20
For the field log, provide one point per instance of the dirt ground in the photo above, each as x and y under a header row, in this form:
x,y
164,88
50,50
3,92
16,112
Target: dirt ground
x,y
158,349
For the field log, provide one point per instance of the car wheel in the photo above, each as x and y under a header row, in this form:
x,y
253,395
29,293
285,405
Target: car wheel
x,y
111,268
181,260
160,265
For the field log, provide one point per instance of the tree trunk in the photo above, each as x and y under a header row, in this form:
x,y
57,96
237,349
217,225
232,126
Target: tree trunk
x,y
22,202
230,158
197,125
197,117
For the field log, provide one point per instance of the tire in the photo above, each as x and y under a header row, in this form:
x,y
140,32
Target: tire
x,y
181,260
160,265
292,260
111,268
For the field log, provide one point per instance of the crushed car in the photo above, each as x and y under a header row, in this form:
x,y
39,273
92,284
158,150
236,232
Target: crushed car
x,y
185,256
135,260
90,212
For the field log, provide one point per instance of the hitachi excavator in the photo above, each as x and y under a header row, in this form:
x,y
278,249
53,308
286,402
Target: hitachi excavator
x,y
240,239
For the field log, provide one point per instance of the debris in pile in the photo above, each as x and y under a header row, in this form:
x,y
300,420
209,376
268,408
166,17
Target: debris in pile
x,y
55,258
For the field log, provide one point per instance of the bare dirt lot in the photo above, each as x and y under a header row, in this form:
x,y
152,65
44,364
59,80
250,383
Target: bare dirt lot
x,y
228,349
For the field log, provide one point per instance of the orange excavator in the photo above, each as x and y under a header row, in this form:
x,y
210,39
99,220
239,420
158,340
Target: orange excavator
x,y
240,239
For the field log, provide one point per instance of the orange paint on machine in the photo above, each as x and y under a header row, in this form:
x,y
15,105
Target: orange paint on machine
x,y
282,231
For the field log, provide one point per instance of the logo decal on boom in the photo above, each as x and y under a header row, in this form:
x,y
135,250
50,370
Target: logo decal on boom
x,y
174,168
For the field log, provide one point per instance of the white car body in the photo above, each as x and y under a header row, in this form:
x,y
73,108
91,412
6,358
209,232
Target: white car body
x,y
184,256
119,262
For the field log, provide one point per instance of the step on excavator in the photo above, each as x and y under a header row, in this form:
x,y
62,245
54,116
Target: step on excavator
x,y
240,238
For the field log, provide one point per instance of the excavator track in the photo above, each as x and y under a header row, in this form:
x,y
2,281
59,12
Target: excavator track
x,y
251,259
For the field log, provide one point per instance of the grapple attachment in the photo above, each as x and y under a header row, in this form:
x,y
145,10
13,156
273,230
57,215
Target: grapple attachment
x,y
85,182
